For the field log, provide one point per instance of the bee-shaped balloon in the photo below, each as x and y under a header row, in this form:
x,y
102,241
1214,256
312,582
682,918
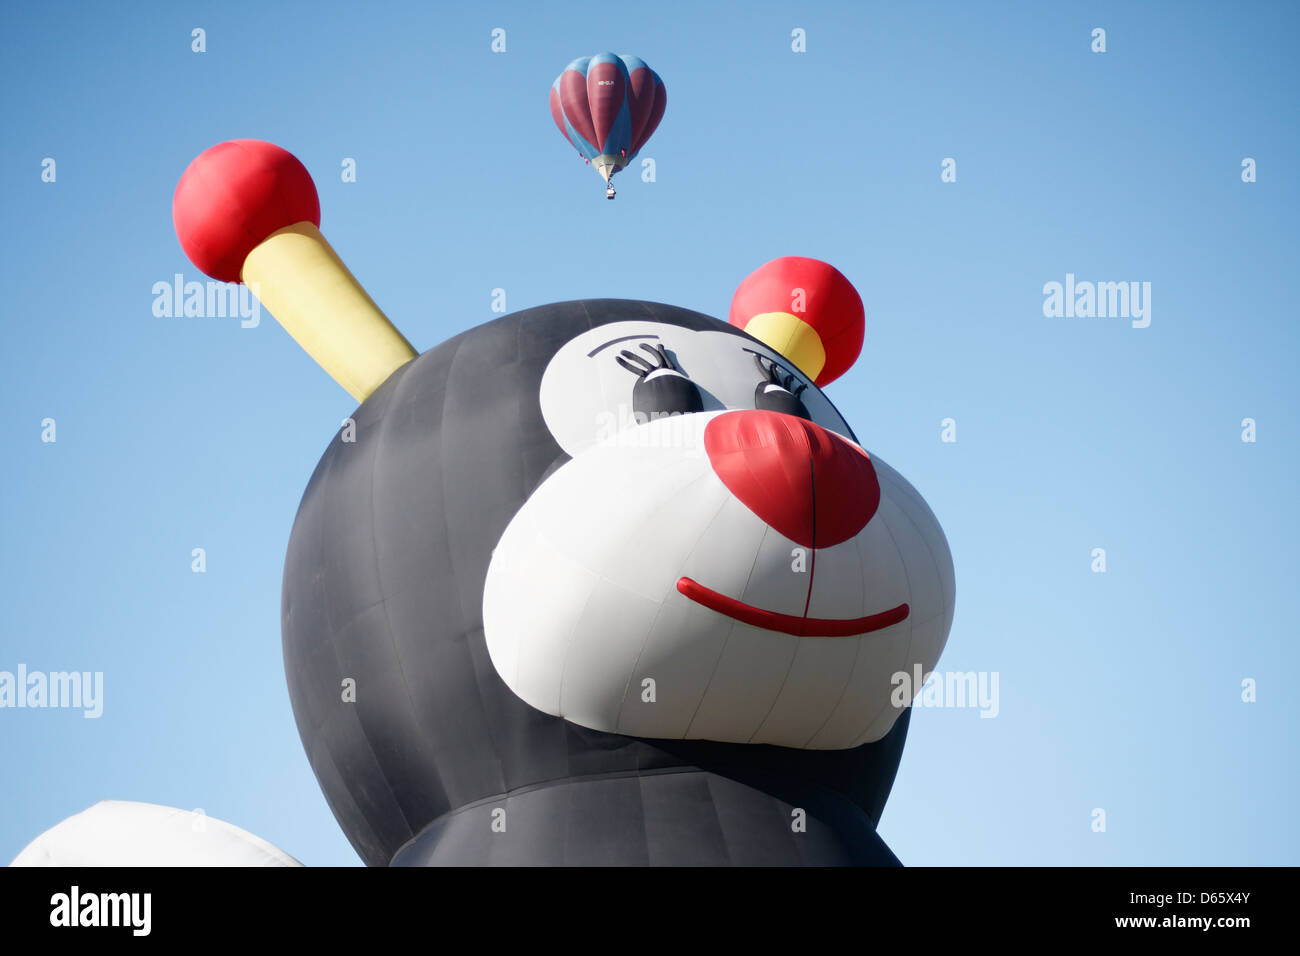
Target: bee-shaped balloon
x,y
599,582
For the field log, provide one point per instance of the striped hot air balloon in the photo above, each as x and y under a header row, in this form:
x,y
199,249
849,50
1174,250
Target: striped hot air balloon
x,y
607,106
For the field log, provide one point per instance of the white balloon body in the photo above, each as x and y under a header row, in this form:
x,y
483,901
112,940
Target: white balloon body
x,y
122,833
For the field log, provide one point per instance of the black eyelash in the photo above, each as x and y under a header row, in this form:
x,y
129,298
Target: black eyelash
x,y
667,394
643,368
774,373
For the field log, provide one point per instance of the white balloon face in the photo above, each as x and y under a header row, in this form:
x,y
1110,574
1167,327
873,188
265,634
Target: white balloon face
x,y
586,395
643,589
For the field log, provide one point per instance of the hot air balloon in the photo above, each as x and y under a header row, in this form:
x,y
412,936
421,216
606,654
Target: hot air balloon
x,y
607,106
544,573
125,833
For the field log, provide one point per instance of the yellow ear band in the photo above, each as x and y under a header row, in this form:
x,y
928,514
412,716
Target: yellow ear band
x,y
792,337
303,283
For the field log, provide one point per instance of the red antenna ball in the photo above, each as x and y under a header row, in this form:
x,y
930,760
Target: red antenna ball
x,y
233,196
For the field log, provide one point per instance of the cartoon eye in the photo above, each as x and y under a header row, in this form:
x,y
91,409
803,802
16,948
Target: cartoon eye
x,y
778,391
661,387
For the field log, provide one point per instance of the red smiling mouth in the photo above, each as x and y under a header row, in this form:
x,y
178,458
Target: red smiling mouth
x,y
788,623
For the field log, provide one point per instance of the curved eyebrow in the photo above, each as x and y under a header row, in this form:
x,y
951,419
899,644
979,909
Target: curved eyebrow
x,y
625,338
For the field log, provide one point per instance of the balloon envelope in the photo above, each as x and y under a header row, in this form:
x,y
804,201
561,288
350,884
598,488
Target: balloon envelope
x,y
386,585
607,106
123,833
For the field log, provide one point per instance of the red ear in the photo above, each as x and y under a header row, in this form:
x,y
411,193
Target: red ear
x,y
807,311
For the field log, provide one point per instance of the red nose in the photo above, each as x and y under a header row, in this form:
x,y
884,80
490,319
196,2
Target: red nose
x,y
811,485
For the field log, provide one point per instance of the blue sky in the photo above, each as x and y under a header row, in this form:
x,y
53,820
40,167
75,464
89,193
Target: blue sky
x,y
1119,691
